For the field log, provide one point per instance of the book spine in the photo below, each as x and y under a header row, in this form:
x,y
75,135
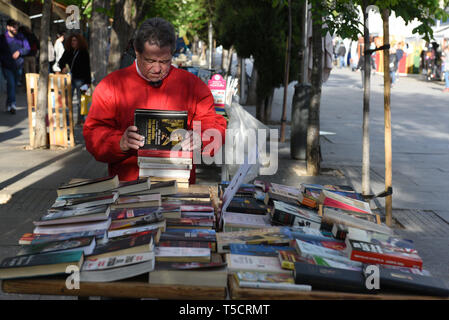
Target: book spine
x,y
377,258
281,286
188,244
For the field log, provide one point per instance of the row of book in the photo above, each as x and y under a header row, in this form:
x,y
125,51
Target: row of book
x,y
317,237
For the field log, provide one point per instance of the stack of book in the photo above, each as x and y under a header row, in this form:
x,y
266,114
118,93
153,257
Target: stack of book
x,y
160,158
88,227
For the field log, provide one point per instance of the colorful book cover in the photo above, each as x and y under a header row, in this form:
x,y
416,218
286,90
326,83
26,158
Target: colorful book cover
x,y
129,241
257,249
87,244
264,277
162,129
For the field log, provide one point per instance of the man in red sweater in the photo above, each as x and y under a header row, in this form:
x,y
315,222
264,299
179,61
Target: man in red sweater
x,y
151,82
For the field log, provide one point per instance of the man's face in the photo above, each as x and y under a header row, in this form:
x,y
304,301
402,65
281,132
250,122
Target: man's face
x,y
12,29
154,62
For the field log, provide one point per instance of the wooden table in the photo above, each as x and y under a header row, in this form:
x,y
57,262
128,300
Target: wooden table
x,y
135,288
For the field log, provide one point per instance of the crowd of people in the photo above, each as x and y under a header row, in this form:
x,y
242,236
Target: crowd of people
x,y
19,53
434,61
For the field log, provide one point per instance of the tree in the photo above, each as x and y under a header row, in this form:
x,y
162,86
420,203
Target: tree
x,y
99,39
256,28
127,16
40,129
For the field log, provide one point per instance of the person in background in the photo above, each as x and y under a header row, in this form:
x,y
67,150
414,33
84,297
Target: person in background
x,y
393,65
59,50
13,47
29,60
341,54
399,55
446,68
51,56
75,61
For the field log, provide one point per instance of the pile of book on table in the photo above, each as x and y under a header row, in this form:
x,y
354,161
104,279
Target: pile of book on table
x,y
112,231
316,237
163,130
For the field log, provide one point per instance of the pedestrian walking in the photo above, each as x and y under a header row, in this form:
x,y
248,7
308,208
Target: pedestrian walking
x,y
59,50
13,47
446,68
393,66
75,61
29,60
342,54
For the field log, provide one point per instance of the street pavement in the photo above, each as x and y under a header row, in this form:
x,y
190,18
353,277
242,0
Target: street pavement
x,y
29,178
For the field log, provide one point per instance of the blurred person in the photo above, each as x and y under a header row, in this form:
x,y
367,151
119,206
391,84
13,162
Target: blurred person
x,y
59,50
341,54
393,65
29,60
51,56
13,47
446,68
75,60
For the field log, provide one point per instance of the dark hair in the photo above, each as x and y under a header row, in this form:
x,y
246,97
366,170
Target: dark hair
x,y
155,31
60,33
12,23
82,43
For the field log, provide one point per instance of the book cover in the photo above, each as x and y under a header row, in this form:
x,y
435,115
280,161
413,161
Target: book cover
x,y
91,264
173,156
162,129
128,231
86,244
119,273
149,218
287,258
247,205
32,238
189,235
265,277
137,185
73,227
329,279
258,249
127,213
89,185
234,220
406,282
74,215
367,222
240,262
164,173
371,253
103,198
272,235
143,241
290,215
307,249
182,254
188,244
191,222
331,199
49,263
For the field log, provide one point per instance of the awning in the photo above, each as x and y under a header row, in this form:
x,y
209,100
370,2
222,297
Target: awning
x,y
8,9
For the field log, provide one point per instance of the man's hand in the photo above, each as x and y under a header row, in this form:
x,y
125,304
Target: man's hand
x,y
131,139
16,55
191,142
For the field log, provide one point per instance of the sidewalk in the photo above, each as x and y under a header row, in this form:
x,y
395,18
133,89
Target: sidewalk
x,y
420,178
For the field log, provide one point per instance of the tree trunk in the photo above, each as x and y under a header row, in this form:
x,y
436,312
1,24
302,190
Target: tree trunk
x,y
211,46
252,93
301,97
126,15
224,58
229,61
286,71
366,98
268,106
387,118
99,41
40,129
313,130
242,81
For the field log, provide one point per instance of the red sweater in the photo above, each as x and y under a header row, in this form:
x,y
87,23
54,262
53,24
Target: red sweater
x,y
121,92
